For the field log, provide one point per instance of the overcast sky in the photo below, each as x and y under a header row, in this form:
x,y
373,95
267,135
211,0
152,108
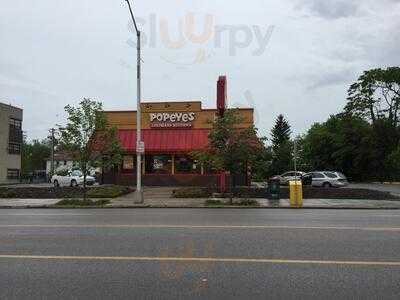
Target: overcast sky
x,y
295,57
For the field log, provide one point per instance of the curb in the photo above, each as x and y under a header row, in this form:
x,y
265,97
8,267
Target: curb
x,y
199,207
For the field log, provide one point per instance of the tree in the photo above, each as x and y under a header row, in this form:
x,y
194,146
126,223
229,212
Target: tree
x,y
87,137
376,98
34,155
261,163
384,140
230,149
376,95
281,145
108,146
344,143
392,164
302,161
281,131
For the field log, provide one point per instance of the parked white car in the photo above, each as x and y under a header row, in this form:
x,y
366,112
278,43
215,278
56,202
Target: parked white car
x,y
288,176
328,179
71,178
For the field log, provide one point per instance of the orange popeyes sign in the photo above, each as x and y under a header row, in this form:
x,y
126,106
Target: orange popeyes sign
x,y
172,119
173,115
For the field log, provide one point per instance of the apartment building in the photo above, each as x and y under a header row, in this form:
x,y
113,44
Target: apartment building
x,y
10,143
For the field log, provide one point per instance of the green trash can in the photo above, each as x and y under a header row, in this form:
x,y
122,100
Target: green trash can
x,y
274,189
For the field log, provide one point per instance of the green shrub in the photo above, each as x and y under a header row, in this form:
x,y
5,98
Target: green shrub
x,y
241,202
248,202
214,202
8,193
78,202
192,192
250,192
111,191
104,191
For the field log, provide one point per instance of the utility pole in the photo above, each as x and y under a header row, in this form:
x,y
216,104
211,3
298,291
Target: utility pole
x,y
295,158
139,143
52,130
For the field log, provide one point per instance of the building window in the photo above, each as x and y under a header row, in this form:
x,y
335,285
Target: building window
x,y
158,164
15,123
185,164
12,174
14,148
15,136
128,163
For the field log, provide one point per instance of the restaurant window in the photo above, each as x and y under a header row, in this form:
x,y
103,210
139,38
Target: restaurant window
x,y
128,163
12,174
185,164
158,164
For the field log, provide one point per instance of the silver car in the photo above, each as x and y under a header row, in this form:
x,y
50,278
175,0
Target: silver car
x,y
328,179
288,176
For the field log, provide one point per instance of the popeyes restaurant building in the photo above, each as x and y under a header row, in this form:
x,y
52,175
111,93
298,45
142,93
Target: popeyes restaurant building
x,y
170,131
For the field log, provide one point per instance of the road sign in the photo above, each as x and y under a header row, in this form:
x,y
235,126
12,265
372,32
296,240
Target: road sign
x,y
140,147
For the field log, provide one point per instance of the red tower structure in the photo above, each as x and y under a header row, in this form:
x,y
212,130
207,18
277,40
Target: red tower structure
x,y
221,107
221,95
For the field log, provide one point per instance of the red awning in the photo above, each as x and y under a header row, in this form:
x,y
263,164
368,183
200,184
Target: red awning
x,y
165,140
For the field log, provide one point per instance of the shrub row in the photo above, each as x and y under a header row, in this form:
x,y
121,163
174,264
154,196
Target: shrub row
x,y
241,202
308,193
82,203
106,191
318,193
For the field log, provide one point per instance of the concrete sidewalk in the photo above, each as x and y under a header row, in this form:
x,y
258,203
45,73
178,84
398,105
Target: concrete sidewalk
x,y
128,202
6,203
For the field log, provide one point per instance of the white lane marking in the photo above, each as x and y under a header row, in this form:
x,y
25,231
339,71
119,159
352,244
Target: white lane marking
x,y
204,259
30,215
133,226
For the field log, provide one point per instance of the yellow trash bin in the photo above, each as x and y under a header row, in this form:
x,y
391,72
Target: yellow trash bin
x,y
296,194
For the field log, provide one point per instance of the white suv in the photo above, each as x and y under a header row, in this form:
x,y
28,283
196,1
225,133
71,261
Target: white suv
x,y
71,178
328,179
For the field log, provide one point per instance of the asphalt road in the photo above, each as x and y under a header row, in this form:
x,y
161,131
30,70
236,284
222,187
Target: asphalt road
x,y
199,254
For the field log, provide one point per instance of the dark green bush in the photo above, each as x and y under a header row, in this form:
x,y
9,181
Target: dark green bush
x,y
8,193
247,202
103,191
250,192
111,191
78,202
214,202
241,202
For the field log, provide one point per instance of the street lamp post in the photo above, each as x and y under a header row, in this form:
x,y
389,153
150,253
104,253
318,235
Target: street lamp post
x,y
139,143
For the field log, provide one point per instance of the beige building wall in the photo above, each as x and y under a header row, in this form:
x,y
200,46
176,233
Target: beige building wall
x,y
8,161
